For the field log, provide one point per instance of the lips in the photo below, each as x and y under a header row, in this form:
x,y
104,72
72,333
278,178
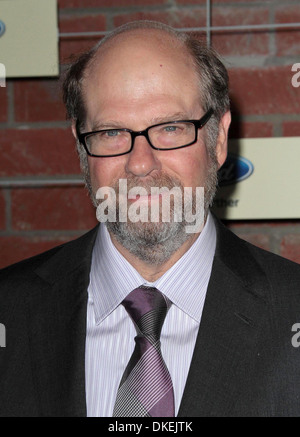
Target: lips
x,y
146,198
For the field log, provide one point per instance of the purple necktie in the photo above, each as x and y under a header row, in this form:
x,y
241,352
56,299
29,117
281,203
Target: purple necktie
x,y
146,388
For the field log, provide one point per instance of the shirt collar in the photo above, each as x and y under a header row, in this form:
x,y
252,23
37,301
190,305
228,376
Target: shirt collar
x,y
112,277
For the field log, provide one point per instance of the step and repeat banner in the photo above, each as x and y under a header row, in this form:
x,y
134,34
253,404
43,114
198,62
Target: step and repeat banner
x,y
260,180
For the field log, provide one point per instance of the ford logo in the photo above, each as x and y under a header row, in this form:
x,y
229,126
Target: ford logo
x,y
235,169
2,28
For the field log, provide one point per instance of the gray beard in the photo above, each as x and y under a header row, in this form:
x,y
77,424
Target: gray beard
x,y
155,243
152,243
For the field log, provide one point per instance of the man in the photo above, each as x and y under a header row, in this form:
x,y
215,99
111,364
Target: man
x,y
149,106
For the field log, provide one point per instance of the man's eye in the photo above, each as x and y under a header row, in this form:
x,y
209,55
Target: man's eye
x,y
170,128
111,133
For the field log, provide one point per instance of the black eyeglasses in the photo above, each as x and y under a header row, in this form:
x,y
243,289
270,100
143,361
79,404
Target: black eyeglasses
x,y
163,136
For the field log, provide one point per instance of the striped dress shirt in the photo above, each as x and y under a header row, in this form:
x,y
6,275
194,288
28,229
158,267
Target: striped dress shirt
x,y
110,331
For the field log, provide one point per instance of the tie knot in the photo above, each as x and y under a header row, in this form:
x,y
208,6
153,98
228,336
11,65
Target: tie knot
x,y
148,308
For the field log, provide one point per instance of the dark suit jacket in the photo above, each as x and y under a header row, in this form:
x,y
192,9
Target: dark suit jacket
x,y
244,363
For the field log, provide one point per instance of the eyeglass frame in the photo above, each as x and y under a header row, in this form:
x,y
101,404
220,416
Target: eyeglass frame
x,y
198,124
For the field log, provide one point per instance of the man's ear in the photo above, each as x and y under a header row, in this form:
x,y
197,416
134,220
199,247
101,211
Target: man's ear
x,y
222,142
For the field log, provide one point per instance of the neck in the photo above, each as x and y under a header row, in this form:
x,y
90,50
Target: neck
x,y
152,272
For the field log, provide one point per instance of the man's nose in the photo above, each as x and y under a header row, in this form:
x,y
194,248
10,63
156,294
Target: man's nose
x,y
142,160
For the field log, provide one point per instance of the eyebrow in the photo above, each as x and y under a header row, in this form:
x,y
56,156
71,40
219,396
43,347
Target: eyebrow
x,y
107,125
171,117
99,125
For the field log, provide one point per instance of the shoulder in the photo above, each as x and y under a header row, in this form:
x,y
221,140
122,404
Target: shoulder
x,y
271,280
21,276
247,257
274,263
283,278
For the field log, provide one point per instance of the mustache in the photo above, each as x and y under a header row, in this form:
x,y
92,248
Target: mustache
x,y
159,181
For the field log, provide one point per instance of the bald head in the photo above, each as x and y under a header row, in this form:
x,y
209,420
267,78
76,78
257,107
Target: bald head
x,y
135,45
138,64
161,36
141,42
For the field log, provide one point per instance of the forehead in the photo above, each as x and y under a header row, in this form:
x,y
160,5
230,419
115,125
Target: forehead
x,y
137,65
140,52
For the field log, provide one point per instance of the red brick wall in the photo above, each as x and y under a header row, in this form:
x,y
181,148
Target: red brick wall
x,y
34,133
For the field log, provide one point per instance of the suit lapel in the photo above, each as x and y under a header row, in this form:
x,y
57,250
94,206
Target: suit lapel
x,y
230,327
57,329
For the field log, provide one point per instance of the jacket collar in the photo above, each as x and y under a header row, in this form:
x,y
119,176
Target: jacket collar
x,y
68,257
229,331
57,305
